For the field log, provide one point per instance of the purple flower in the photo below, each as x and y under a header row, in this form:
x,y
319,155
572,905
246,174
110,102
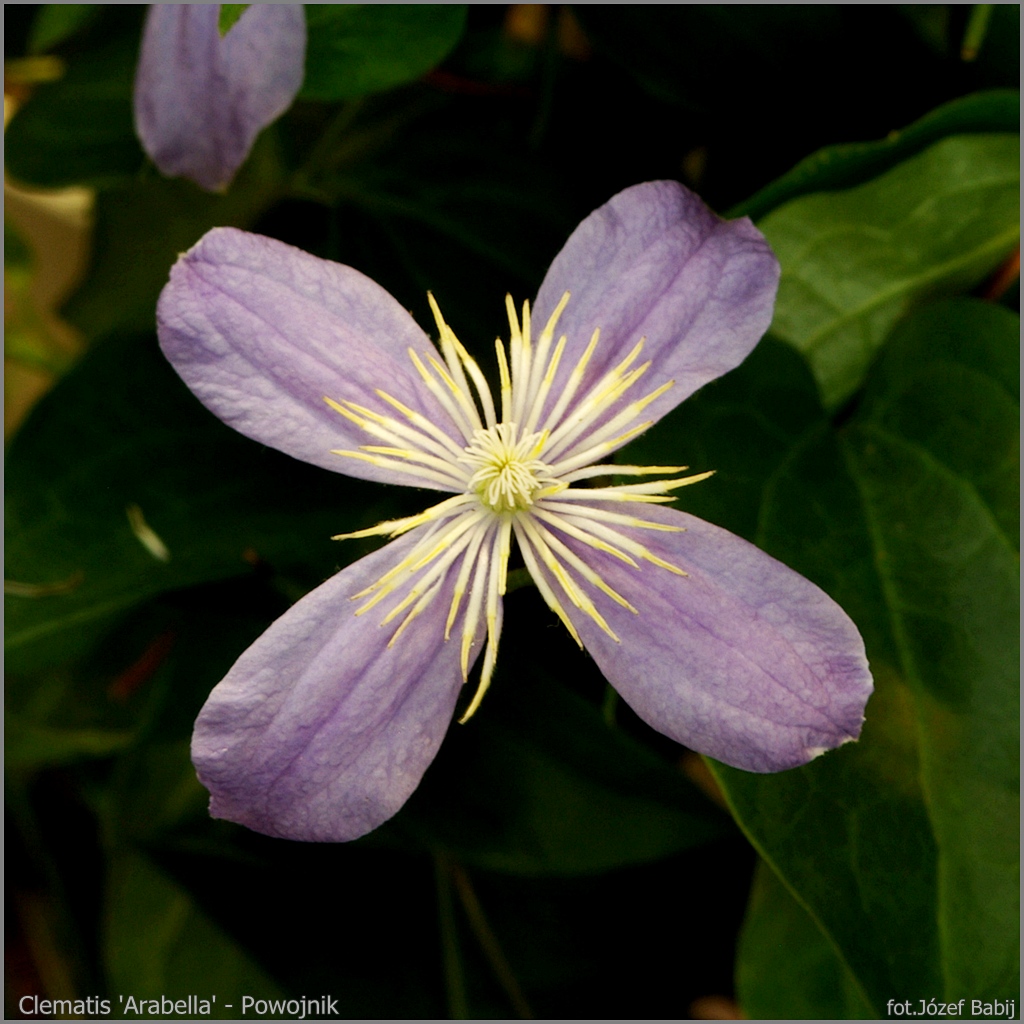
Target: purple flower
x,y
201,99
324,727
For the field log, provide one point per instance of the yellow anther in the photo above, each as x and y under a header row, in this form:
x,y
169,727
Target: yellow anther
x,y
511,476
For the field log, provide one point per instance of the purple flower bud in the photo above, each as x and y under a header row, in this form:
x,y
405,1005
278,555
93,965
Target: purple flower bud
x,y
202,98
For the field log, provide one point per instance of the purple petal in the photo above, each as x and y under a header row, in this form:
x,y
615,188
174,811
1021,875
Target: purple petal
x,y
743,659
655,262
200,99
261,332
320,732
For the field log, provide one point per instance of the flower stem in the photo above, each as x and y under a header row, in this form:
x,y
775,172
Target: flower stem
x,y
454,978
977,29
608,706
488,941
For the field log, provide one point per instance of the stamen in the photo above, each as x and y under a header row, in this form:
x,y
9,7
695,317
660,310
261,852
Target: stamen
x,y
512,476
388,429
430,533
506,381
396,527
460,583
599,451
422,472
442,465
581,567
455,547
590,411
459,391
587,520
545,386
573,383
637,492
446,336
420,422
476,596
504,550
599,438
612,517
572,591
599,399
457,357
537,369
515,352
521,372
515,335
614,469
567,526
417,609
497,570
546,592
458,417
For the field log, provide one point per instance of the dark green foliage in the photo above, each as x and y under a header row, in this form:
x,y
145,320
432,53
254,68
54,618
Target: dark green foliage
x,y
559,856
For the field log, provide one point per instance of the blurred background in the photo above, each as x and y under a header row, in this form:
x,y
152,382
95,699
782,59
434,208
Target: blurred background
x,y
560,859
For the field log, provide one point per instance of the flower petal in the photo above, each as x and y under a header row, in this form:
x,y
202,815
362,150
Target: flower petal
x,y
201,100
654,262
743,659
320,732
262,332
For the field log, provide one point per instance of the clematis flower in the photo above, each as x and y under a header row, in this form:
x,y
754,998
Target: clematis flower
x,y
202,98
324,727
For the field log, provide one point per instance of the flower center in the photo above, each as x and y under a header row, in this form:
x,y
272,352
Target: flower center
x,y
506,471
512,475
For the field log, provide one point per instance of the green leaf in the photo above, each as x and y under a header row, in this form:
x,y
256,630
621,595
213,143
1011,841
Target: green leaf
x,y
950,382
62,716
952,584
121,432
159,944
786,968
357,49
57,22
953,591
906,542
851,164
229,14
838,830
853,262
30,746
79,129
